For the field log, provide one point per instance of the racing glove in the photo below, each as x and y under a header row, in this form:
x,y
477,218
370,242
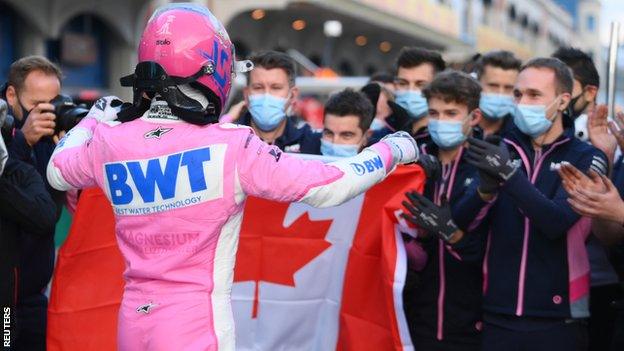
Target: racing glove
x,y
491,157
403,147
429,216
105,109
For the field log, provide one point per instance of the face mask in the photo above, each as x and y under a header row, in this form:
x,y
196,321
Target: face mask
x,y
377,125
532,120
572,105
413,102
267,111
19,123
447,134
496,106
338,150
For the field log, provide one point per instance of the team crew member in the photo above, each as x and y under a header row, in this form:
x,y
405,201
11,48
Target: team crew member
x,y
444,310
536,269
497,72
270,95
348,117
605,287
379,91
415,68
178,182
585,90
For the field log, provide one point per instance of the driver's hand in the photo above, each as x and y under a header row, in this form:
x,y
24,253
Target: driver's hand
x,y
56,138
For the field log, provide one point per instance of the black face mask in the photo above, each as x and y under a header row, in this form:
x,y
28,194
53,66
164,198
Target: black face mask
x,y
25,113
574,113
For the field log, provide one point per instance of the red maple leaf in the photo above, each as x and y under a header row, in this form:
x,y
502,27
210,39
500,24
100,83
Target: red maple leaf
x,y
270,252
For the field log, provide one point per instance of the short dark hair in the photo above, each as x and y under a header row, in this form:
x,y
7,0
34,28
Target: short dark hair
x,y
410,57
455,86
275,59
582,65
350,102
382,77
563,73
20,69
498,58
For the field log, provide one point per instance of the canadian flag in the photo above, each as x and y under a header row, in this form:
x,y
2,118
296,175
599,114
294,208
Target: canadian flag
x,y
305,278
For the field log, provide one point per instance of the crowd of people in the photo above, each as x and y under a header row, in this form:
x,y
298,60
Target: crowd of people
x,y
520,238
510,150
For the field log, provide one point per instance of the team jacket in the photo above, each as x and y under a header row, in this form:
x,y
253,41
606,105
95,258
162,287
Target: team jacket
x,y
536,264
446,304
296,139
178,192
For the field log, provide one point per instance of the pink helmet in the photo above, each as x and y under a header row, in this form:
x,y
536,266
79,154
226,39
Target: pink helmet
x,y
185,44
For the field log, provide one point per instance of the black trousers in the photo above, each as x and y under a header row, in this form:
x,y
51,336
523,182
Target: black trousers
x,y
445,345
603,316
31,328
559,337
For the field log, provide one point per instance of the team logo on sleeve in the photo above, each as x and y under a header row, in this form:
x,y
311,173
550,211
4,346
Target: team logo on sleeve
x,y
169,182
101,104
368,166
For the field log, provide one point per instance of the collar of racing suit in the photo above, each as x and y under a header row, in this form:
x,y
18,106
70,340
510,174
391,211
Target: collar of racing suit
x,y
159,112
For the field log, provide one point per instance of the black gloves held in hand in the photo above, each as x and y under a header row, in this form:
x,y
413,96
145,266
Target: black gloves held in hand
x,y
431,165
429,216
493,161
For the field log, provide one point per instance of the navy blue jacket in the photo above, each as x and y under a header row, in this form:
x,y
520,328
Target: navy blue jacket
x,y
535,241
36,251
506,128
297,139
23,197
446,304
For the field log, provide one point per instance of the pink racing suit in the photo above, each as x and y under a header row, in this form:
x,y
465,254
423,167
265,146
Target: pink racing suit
x,y
178,192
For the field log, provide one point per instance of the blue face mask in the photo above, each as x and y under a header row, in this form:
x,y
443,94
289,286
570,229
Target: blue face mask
x,y
532,120
338,150
446,134
267,111
413,102
496,106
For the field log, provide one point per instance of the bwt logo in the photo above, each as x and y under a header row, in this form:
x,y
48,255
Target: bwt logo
x,y
367,166
180,174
